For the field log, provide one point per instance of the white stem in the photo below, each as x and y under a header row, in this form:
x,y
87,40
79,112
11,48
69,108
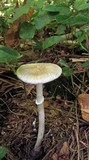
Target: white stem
x,y
39,102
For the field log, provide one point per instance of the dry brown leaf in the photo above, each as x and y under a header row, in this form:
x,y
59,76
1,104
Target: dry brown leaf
x,y
54,157
83,100
58,97
46,104
79,66
12,35
65,149
29,88
62,154
29,14
53,113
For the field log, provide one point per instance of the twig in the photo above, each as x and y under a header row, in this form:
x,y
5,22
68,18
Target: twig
x,y
18,114
77,131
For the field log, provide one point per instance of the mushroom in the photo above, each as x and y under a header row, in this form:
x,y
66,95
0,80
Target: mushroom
x,y
39,73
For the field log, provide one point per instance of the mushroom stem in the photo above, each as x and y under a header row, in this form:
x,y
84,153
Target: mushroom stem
x,y
39,102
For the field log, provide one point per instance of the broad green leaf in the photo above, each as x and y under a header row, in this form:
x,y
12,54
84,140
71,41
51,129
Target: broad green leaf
x,y
39,3
67,71
72,20
81,5
78,20
8,55
27,31
80,35
22,10
62,8
19,12
3,25
61,29
85,64
63,63
42,21
3,151
81,38
63,18
51,41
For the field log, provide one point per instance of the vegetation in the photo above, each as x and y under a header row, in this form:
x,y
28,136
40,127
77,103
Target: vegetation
x,y
44,31
3,151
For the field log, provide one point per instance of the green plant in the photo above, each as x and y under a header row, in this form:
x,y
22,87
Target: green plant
x,y
3,26
67,70
66,19
3,151
8,55
71,18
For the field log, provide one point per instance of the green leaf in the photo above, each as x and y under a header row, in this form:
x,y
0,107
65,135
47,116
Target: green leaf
x,y
84,48
39,3
80,36
3,151
67,71
79,33
81,5
27,31
61,29
42,20
63,63
22,10
85,64
78,20
8,55
63,18
72,19
62,8
51,41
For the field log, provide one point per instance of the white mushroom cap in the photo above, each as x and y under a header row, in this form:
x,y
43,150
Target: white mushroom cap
x,y
38,72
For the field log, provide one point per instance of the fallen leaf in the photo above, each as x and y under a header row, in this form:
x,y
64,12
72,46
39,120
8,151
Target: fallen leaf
x,y
46,104
58,97
65,149
12,35
62,154
29,14
83,100
53,113
54,157
29,88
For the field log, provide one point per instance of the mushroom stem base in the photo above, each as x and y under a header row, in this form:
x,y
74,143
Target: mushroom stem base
x,y
41,127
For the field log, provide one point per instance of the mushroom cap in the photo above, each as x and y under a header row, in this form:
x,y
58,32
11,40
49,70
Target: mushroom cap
x,y
38,72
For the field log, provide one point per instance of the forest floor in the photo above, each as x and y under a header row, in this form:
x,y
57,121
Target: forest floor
x,y
66,133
